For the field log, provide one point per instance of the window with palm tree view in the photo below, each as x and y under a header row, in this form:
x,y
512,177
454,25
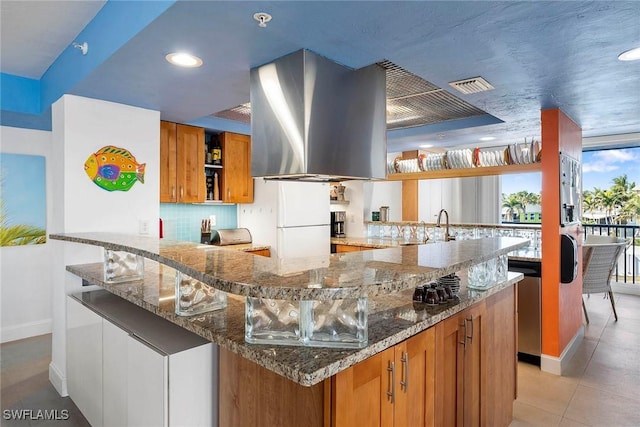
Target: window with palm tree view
x,y
611,194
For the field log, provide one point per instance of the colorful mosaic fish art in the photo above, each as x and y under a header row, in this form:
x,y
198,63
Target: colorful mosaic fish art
x,y
114,169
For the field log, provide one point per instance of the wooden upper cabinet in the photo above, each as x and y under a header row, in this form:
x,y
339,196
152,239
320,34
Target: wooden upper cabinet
x,y
236,184
190,170
168,163
182,177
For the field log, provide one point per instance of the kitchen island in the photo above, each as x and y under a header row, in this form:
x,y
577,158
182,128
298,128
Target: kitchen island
x,y
294,385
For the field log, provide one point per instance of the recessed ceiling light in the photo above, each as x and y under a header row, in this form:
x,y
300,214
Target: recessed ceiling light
x,y
426,145
183,59
630,55
487,138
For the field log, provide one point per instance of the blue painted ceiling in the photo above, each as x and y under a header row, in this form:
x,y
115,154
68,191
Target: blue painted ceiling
x,y
537,55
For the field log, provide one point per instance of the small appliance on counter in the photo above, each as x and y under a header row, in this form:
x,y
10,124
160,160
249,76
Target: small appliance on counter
x,y
230,236
338,219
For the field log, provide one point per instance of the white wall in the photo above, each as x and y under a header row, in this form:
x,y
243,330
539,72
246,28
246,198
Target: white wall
x,y
473,200
25,271
81,126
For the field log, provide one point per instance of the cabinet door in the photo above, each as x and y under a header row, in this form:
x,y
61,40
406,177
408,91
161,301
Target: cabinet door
x,y
415,365
114,374
84,360
474,318
190,164
147,393
500,359
168,163
449,371
360,394
237,184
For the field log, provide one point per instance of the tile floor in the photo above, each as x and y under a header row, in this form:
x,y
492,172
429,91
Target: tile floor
x,y
601,387
602,384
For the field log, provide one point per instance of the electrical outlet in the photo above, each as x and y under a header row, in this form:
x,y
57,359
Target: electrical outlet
x,y
212,220
143,227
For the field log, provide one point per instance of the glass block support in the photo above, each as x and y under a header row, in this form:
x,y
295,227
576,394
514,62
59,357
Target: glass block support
x,y
488,273
194,297
339,323
122,266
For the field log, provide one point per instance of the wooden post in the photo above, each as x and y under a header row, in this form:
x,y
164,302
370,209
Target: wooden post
x,y
410,192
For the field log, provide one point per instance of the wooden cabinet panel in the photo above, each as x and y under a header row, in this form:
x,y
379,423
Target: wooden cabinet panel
x,y
182,177
237,184
190,164
347,248
261,252
250,395
499,380
449,371
415,364
359,394
474,318
168,163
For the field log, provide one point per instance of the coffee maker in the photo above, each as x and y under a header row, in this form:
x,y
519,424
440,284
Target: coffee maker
x,y
337,223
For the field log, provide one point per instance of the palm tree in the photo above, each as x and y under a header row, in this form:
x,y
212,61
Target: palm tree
x,y
527,198
513,204
20,234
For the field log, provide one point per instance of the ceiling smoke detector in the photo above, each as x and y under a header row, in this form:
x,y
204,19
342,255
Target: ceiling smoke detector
x,y
473,85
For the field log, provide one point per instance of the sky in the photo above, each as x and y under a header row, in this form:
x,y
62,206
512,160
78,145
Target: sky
x,y
23,189
598,170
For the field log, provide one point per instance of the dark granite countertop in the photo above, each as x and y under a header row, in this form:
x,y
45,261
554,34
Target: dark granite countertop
x,y
337,276
392,319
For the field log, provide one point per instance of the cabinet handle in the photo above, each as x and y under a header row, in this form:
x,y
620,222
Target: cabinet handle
x,y
464,335
470,320
228,194
391,390
181,192
405,362
173,192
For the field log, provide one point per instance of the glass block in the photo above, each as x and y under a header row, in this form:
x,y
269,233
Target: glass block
x,y
336,323
122,266
482,275
270,321
194,297
332,323
502,268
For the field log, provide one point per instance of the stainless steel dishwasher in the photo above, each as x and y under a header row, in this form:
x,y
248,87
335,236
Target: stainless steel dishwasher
x,y
529,310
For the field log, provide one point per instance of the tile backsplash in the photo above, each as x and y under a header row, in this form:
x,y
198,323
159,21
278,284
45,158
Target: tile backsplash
x,y
182,221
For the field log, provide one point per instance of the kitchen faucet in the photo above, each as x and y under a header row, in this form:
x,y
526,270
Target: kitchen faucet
x,y
447,236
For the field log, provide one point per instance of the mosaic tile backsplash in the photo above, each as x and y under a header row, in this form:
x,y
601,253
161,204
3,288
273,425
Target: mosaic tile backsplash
x,y
182,221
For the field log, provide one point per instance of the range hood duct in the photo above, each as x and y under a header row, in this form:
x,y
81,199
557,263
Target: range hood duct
x,y
315,120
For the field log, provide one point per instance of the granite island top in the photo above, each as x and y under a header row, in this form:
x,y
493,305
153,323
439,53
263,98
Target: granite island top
x,y
523,254
392,319
337,276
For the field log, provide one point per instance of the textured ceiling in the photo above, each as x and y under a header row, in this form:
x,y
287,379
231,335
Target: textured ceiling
x,y
537,55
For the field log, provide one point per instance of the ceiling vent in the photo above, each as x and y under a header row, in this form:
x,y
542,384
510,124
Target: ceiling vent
x,y
411,100
474,85
240,113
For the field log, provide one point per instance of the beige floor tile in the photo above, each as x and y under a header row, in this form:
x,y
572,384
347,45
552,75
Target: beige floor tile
x,y
595,407
551,393
527,415
581,358
570,423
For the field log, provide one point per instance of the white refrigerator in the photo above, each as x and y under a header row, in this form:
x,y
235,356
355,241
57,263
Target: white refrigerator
x,y
291,216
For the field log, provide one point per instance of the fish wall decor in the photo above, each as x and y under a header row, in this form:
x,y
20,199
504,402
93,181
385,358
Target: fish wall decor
x,y
114,169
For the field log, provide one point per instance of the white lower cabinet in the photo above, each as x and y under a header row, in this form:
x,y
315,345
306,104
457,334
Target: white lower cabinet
x,y
144,371
84,356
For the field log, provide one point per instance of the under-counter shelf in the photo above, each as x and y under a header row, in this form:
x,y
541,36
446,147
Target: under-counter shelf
x,y
467,172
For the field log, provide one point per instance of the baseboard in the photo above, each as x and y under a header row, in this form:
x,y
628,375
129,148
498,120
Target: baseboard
x,y
58,380
26,330
557,365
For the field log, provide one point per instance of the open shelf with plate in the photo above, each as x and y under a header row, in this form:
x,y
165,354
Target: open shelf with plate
x,y
466,172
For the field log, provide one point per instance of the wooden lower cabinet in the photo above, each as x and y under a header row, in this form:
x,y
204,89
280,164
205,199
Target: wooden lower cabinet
x,y
347,248
261,252
460,372
392,388
476,364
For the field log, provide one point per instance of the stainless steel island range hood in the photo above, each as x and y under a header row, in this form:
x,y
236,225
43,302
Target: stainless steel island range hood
x,y
315,120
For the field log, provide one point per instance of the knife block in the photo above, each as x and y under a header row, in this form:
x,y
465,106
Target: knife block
x,y
205,238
